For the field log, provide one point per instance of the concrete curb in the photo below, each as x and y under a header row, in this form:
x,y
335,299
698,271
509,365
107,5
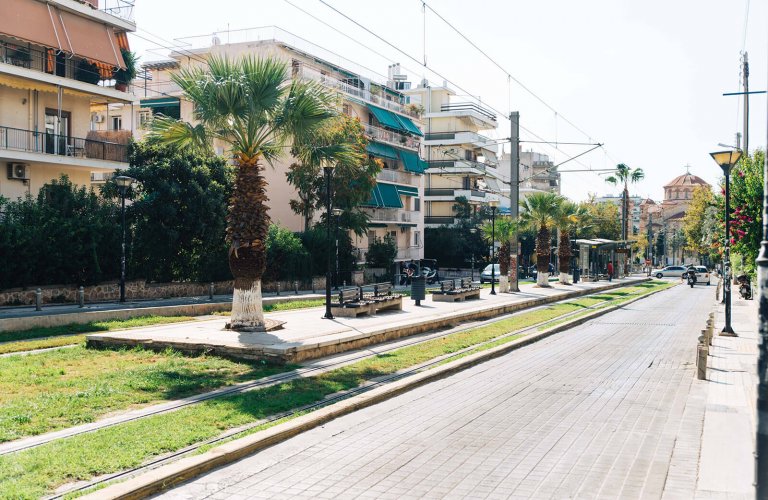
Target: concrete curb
x,y
188,468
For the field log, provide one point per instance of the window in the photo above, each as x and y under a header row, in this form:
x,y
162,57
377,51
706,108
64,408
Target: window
x,y
370,118
417,238
117,123
371,237
346,109
417,204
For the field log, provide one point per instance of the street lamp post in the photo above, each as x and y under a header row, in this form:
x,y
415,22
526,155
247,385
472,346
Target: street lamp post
x,y
726,160
328,170
336,214
493,204
761,453
123,183
472,258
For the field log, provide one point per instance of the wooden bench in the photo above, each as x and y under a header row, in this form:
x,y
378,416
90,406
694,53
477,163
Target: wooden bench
x,y
450,292
349,303
382,296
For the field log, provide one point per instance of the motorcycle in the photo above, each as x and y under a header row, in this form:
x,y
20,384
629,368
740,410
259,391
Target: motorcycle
x,y
745,286
690,276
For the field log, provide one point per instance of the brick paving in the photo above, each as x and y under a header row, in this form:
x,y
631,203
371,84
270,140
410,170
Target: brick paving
x,y
610,409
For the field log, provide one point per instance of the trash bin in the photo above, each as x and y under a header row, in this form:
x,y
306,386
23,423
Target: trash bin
x,y
418,288
576,274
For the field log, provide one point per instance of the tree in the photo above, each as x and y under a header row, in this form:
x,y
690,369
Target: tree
x,y
747,210
382,252
178,213
505,229
695,218
605,221
625,175
254,108
569,217
353,178
538,212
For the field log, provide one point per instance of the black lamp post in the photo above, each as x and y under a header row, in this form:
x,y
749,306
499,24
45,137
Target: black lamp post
x,y
123,183
726,160
328,171
472,230
493,204
761,453
336,214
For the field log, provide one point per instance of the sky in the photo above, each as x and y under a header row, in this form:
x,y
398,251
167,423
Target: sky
x,y
645,79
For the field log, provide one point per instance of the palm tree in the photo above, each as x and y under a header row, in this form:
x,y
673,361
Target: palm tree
x,y
505,229
569,216
625,175
252,107
538,212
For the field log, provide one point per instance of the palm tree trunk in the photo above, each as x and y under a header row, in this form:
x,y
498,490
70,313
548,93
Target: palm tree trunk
x,y
247,229
542,256
564,256
504,258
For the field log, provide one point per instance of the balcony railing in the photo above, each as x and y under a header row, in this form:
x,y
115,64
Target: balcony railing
x,y
458,166
118,8
15,139
393,215
41,60
468,193
154,88
384,135
388,175
409,253
439,220
308,73
464,135
469,107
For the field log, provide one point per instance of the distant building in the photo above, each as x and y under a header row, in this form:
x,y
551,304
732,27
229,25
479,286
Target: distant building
x,y
634,209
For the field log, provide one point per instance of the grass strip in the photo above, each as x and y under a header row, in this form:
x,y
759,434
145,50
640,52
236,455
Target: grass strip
x,y
37,471
13,341
57,389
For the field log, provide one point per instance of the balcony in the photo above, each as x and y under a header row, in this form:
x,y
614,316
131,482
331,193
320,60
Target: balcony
x,y
50,68
28,141
439,220
155,89
409,253
462,137
452,194
390,137
459,167
393,216
309,73
387,175
479,115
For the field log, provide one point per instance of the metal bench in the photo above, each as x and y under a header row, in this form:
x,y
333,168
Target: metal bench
x,y
349,303
449,292
382,296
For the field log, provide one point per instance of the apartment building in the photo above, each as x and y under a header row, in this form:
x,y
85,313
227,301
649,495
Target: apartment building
x,y
462,163
635,210
391,125
58,62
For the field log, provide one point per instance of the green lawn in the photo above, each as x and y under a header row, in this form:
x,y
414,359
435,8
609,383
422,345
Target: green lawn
x,y
57,389
35,472
37,338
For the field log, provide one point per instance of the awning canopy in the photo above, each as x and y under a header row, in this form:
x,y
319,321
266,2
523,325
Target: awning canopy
x,y
43,24
386,118
408,190
408,125
382,150
159,103
384,196
412,161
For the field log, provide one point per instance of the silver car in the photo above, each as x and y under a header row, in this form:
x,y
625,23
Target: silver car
x,y
486,277
669,272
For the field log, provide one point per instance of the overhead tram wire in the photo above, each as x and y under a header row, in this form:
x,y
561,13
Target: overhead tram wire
x,y
440,75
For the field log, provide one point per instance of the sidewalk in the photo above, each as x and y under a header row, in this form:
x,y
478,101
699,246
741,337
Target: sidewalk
x,y
305,335
727,462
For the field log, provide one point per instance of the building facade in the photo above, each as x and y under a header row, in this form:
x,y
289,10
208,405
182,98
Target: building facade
x,y
58,60
635,212
391,126
462,163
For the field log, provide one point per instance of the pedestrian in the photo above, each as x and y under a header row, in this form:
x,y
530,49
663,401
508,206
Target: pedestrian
x,y
610,270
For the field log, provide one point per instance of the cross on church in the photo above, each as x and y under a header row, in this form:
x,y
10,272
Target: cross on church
x,y
687,169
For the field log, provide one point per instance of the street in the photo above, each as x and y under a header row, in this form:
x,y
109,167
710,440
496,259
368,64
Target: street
x,y
595,411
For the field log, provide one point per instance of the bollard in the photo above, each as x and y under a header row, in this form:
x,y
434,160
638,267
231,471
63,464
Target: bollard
x,y
701,362
295,287
210,291
81,297
313,284
38,300
344,284
278,289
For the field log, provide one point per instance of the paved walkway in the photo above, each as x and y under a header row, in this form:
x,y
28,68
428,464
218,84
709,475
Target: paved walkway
x,y
305,333
604,410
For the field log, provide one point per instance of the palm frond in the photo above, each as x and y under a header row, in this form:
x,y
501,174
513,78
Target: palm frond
x,y
179,134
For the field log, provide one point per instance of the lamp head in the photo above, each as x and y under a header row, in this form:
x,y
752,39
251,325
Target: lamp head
x,y
727,159
493,203
337,212
123,183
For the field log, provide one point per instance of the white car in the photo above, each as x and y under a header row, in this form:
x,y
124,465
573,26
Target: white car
x,y
486,275
669,272
702,275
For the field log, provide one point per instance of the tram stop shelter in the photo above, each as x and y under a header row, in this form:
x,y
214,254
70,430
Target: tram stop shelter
x,y
594,255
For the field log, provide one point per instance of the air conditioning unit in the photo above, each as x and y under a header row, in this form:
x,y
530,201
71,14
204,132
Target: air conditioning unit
x,y
18,171
97,118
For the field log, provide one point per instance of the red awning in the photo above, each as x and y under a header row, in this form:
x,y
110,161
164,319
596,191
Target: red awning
x,y
43,24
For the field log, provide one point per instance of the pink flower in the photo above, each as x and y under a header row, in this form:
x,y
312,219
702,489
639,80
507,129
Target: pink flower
x,y
733,241
741,233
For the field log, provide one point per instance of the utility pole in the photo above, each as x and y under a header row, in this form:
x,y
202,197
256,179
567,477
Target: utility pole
x,y
745,79
514,192
650,242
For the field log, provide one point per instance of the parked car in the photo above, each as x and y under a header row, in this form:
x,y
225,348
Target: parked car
x,y
491,272
669,272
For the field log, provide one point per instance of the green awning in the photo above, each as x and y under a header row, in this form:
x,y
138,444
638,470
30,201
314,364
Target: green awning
x,y
157,103
384,196
412,161
409,126
382,150
386,118
408,190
